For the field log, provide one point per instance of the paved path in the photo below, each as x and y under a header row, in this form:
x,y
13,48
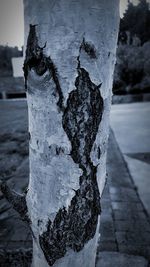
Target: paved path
x,y
115,259
131,126
125,226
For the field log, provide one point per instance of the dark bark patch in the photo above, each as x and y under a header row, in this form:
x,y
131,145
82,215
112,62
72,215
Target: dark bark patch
x,y
36,59
98,152
29,136
89,49
74,227
34,55
59,150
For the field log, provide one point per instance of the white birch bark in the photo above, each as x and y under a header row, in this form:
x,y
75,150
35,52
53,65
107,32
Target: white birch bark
x,y
80,37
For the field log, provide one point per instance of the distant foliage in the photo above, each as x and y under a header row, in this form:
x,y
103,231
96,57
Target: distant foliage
x,y
6,53
136,20
132,71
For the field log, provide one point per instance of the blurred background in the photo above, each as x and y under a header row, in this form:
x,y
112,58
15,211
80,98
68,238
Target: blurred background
x,y
125,223
132,71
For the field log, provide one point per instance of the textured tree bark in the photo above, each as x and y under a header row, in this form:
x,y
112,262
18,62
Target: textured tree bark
x,y
69,63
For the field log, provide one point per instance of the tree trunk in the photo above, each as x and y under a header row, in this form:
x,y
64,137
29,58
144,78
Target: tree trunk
x,y
69,63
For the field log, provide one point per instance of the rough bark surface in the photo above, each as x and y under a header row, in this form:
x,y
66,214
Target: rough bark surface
x,y
77,225
81,117
68,70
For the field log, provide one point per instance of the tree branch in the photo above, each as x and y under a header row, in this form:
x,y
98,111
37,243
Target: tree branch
x,y
18,201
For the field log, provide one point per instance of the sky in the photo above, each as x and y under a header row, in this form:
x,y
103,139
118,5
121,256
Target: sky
x,y
12,24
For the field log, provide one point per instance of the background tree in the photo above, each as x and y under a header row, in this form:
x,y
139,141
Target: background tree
x,y
6,53
131,74
69,63
136,20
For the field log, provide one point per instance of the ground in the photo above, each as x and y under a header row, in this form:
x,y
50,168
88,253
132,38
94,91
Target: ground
x,y
131,125
125,222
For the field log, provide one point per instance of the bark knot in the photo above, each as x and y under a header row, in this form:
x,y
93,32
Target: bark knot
x,y
89,49
35,59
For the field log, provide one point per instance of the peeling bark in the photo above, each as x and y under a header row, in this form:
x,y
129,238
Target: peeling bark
x,y
74,227
81,118
69,95
18,201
